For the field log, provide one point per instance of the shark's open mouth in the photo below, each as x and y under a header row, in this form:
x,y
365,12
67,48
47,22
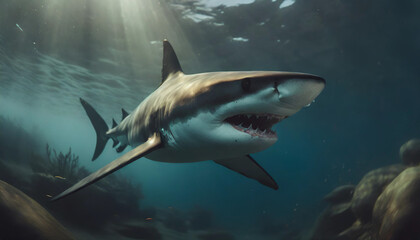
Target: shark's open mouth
x,y
255,124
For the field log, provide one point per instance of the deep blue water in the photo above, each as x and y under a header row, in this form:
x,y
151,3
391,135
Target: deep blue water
x,y
109,52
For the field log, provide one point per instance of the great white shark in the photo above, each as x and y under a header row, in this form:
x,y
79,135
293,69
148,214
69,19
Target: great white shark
x,y
219,116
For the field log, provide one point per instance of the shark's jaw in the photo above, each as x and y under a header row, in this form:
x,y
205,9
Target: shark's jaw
x,y
261,111
256,125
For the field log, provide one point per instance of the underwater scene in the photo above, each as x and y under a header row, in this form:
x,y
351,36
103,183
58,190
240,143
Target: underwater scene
x,y
210,119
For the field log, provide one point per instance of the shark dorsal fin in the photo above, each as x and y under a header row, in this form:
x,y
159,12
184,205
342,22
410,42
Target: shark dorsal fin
x,y
114,124
124,113
170,63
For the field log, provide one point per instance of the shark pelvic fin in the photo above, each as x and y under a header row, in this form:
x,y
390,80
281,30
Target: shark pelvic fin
x,y
152,144
115,142
121,148
124,113
100,127
248,167
170,63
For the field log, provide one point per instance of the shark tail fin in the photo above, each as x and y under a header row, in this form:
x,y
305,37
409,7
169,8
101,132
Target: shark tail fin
x,y
100,127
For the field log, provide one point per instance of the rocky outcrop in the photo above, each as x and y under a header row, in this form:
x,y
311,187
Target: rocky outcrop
x,y
340,194
337,217
396,214
410,152
23,218
370,187
384,205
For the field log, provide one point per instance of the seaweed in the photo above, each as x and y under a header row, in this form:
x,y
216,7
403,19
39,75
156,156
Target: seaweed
x,y
112,199
45,172
60,164
66,165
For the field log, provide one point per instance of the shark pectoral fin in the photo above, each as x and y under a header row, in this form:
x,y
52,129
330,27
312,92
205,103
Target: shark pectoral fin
x,y
248,167
142,150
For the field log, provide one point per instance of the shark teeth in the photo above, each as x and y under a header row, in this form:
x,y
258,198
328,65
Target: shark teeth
x,y
255,124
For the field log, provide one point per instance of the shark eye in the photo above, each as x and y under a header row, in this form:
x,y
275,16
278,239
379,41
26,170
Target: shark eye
x,y
246,84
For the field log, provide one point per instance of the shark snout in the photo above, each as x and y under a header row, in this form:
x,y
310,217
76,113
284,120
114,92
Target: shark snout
x,y
299,92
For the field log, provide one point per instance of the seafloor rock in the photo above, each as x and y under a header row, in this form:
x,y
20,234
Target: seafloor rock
x,y
140,232
410,152
340,194
215,236
333,221
370,187
357,231
365,236
23,218
396,214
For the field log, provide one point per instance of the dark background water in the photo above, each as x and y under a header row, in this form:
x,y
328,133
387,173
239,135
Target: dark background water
x,y
109,52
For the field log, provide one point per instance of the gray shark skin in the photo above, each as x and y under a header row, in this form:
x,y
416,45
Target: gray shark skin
x,y
219,116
